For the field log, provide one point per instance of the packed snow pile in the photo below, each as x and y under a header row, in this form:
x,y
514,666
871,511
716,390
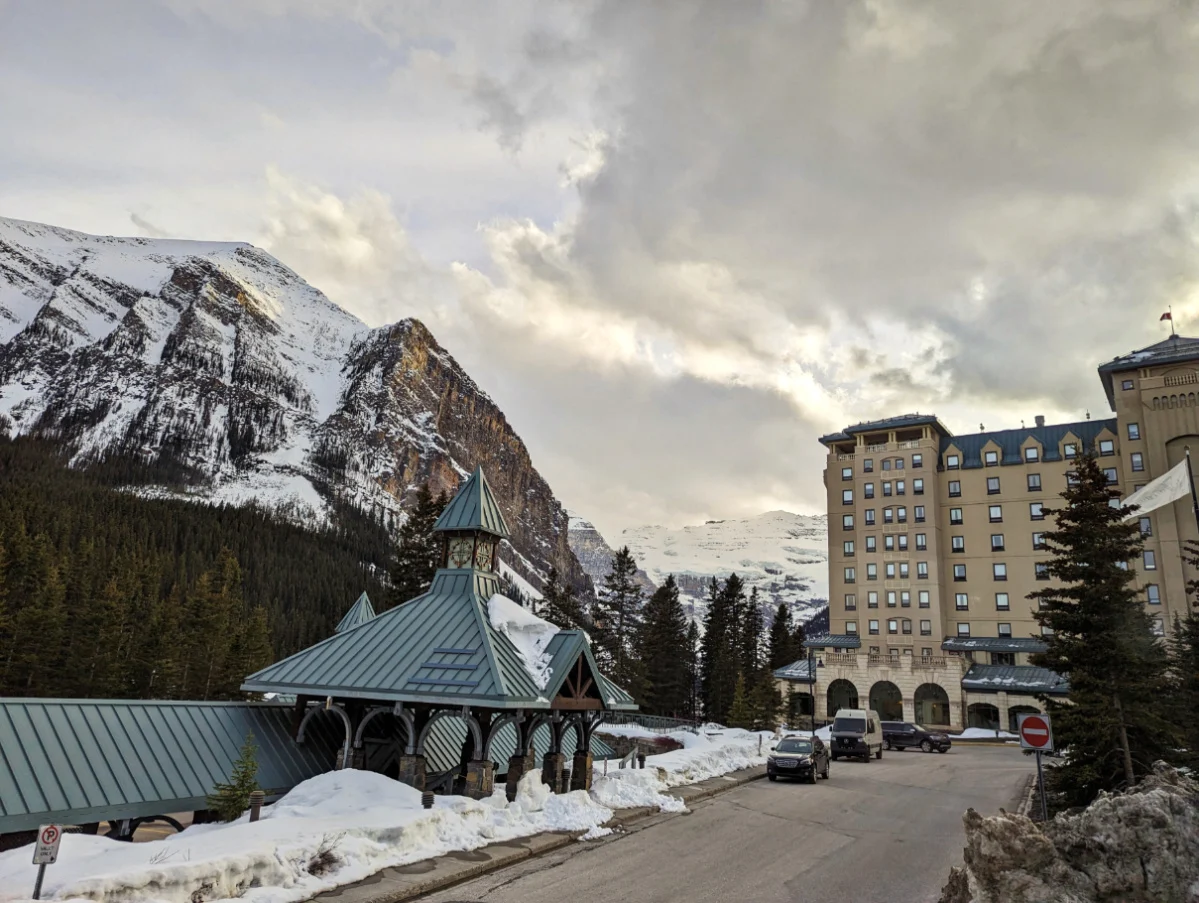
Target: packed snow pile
x,y
1132,847
530,635
984,733
330,830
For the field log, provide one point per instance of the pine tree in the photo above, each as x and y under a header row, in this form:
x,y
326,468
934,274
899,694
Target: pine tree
x,y
765,701
1102,642
693,683
230,800
662,648
750,649
617,616
782,639
720,664
560,605
418,551
1184,662
741,713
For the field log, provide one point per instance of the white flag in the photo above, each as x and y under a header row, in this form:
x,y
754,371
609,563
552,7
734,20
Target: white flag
x,y
1171,485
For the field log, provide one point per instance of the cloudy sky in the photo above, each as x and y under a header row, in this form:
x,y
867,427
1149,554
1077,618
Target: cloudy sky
x,y
676,241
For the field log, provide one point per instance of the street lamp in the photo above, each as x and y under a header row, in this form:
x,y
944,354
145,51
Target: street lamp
x,y
812,685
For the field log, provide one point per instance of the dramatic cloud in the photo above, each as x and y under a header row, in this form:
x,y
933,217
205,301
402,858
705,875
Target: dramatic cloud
x,y
675,240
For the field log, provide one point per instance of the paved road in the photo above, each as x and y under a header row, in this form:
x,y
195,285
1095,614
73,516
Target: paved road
x,y
884,831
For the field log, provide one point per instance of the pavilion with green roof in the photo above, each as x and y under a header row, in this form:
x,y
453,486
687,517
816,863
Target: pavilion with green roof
x,y
439,656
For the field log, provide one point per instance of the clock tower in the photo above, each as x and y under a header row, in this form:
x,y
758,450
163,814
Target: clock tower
x,y
471,527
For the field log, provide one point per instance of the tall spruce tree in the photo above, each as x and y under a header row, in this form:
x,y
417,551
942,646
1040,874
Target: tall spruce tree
x,y
750,649
693,684
418,552
1115,722
662,647
560,606
782,639
617,617
719,668
741,712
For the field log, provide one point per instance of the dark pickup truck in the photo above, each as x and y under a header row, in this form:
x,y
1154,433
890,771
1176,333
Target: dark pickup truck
x,y
902,734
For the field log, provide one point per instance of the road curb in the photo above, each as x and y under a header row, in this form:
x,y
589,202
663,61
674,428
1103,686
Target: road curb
x,y
502,855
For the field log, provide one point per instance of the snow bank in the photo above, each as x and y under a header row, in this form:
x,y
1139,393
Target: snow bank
x,y
528,633
982,733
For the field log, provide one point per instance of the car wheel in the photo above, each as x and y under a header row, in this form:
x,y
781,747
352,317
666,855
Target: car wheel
x,y
879,753
812,775
772,777
888,744
835,757
826,771
943,750
927,745
900,748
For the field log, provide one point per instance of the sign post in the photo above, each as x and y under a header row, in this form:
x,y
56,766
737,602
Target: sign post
x,y
45,852
1036,733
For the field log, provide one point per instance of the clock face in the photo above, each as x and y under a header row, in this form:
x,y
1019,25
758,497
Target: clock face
x,y
483,556
461,552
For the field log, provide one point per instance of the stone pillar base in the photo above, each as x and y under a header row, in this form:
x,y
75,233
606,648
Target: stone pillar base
x,y
357,759
480,779
551,771
412,771
580,772
518,767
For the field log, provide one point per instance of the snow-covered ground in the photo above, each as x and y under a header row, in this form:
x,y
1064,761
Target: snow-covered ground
x,y
983,733
343,826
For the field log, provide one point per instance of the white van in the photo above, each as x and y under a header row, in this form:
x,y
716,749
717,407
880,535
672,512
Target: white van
x,y
856,734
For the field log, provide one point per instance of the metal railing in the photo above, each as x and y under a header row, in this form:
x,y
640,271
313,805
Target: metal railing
x,y
659,724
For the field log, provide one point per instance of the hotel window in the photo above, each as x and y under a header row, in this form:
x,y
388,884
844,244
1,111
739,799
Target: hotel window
x,y
926,652
893,626
1149,560
847,547
992,485
926,628
999,570
963,629
1146,527
955,488
890,570
901,514
1153,594
850,575
918,486
871,571
1114,502
904,570
955,515
1071,477
903,542
871,544
899,487
847,521
996,514
921,542
1046,631
889,542
1070,450
1032,454
851,601
1041,570
1034,482
868,490
1134,431
872,626
917,461
905,598
888,515
868,465
1005,630
846,473
899,463
921,570
1036,511
1126,384
846,496
1038,542
887,488
996,542
1122,565
922,598
1138,462
1107,447
869,516
1002,603
851,626
957,543
1110,474
872,599
991,458
886,463
1157,627
891,597
952,462
959,573
918,514
907,629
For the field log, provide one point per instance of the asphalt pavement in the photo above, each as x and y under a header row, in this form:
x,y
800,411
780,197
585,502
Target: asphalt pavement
x,y
884,831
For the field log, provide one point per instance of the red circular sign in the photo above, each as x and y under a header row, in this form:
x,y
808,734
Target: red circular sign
x,y
50,835
1034,730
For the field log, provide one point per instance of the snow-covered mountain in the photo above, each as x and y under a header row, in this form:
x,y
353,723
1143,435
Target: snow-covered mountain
x,y
237,381
595,555
784,555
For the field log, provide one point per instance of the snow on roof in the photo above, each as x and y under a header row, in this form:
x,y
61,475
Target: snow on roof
x,y
530,635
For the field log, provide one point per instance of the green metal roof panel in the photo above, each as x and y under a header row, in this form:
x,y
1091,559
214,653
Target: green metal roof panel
x,y
1174,350
834,641
800,671
92,760
993,644
903,421
1014,678
473,508
360,612
1010,441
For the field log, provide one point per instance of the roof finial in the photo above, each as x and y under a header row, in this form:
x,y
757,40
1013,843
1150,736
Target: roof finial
x,y
981,428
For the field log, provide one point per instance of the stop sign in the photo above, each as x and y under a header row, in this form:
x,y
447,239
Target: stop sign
x,y
1035,732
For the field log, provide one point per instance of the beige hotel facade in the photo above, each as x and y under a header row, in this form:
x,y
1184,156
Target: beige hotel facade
x,y
935,544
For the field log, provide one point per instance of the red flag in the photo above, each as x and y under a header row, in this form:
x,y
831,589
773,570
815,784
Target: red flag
x,y
1166,316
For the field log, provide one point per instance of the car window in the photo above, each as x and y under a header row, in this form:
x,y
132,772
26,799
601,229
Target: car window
x,y
794,746
849,724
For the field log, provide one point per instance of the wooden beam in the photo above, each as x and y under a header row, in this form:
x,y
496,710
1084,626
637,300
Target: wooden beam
x,y
583,690
576,705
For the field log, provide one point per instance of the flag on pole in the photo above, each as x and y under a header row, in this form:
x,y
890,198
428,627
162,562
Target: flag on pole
x,y
1168,315
1170,486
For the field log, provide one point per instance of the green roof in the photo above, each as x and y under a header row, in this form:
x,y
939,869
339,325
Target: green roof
x,y
1011,442
564,650
473,508
360,612
1014,679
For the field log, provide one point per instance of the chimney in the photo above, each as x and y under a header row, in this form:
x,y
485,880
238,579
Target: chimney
x,y
1040,420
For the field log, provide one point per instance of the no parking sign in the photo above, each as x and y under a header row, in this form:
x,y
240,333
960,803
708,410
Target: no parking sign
x,y
45,852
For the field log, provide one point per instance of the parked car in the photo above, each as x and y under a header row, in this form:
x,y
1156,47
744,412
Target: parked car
x,y
856,734
902,734
798,757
